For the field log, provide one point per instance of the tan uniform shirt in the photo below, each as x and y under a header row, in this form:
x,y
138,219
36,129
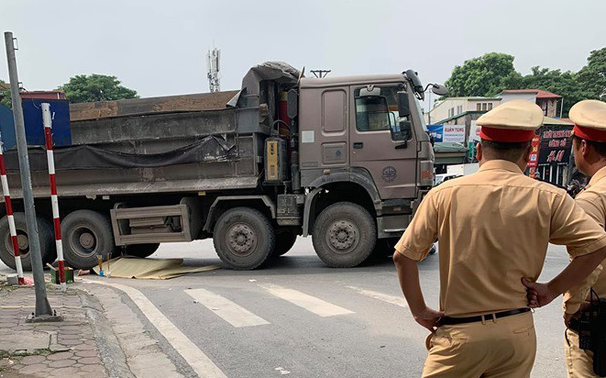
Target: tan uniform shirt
x,y
494,228
593,200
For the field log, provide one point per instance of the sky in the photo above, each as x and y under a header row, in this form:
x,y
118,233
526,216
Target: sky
x,y
159,47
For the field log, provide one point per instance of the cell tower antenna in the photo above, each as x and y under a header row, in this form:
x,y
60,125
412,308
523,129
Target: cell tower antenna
x,y
212,63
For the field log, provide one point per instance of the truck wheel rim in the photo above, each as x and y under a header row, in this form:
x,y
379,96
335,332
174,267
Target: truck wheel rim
x,y
241,239
23,242
343,236
84,241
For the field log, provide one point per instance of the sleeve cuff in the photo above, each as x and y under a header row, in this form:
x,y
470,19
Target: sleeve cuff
x,y
407,252
589,248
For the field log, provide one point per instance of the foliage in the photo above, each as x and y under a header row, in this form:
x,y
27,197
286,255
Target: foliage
x,y
565,84
493,72
593,75
482,76
5,94
95,87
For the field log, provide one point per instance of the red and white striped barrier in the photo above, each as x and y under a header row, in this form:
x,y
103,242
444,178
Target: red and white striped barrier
x,y
11,219
47,122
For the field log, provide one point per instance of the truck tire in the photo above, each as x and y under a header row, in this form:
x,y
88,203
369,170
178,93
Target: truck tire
x,y
86,234
284,242
344,235
137,250
45,235
243,238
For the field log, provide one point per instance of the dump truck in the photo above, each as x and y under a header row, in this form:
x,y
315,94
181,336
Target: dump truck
x,y
344,159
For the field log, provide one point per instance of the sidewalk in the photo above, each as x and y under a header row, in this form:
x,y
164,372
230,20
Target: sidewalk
x,y
66,348
102,336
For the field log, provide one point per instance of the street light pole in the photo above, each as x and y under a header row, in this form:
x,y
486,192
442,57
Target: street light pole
x,y
43,308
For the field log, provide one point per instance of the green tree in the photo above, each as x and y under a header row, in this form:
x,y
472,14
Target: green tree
x,y
5,94
565,84
593,76
95,87
483,76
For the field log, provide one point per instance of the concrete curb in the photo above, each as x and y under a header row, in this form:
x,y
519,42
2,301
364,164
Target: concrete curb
x,y
108,345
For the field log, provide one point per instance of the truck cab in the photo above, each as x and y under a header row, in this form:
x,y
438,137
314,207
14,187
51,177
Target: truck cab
x,y
364,146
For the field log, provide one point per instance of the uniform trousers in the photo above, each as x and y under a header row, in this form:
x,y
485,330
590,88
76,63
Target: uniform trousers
x,y
494,348
579,362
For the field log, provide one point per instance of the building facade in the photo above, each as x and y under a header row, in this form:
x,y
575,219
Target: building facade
x,y
551,103
455,106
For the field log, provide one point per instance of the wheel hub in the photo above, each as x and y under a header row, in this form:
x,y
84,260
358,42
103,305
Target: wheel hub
x,y
241,239
87,240
342,235
23,242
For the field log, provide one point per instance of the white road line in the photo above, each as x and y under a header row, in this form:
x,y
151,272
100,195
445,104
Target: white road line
x,y
201,364
398,301
226,309
309,303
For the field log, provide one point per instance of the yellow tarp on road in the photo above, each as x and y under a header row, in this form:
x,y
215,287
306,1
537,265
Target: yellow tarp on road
x,y
149,269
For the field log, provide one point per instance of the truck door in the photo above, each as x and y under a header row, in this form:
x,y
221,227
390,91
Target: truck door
x,y
391,163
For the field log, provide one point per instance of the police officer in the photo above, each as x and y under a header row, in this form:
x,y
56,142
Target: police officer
x,y
494,227
589,145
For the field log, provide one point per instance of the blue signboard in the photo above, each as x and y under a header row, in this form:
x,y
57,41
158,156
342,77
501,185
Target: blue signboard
x,y
437,132
7,128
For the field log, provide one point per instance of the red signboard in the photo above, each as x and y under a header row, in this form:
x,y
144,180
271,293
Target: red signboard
x,y
534,155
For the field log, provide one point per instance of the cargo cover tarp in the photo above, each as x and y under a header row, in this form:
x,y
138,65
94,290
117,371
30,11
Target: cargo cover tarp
x,y
209,149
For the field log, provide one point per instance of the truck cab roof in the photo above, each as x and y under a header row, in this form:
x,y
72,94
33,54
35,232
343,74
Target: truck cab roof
x,y
309,82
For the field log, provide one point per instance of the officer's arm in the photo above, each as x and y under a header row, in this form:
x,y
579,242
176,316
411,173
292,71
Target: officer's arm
x,y
586,242
413,247
540,295
575,296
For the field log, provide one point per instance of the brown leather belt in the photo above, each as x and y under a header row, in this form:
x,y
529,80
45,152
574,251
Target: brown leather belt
x,y
447,320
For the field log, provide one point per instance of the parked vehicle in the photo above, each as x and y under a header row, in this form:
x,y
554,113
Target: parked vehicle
x,y
285,156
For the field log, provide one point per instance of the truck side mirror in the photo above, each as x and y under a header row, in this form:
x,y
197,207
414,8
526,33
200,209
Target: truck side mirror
x,y
439,89
403,107
402,131
292,105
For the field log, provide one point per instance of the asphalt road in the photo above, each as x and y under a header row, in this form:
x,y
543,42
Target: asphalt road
x,y
302,319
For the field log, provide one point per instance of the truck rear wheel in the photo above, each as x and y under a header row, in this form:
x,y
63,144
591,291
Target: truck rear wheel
x,y
243,238
344,235
86,234
284,242
45,235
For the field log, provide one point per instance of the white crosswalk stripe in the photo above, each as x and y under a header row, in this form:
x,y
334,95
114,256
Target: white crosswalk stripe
x,y
226,309
305,301
398,301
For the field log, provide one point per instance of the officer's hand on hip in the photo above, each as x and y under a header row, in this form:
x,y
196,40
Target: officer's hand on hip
x,y
538,294
429,318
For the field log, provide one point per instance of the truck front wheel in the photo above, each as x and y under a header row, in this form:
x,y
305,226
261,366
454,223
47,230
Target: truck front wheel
x,y
344,235
243,238
86,234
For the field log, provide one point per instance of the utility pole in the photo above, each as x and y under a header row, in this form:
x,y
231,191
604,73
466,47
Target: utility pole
x,y
43,309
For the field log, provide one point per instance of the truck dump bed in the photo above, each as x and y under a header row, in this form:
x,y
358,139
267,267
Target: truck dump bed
x,y
174,144
147,149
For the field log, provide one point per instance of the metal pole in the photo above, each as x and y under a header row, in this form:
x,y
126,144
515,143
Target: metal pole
x,y
43,307
48,136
